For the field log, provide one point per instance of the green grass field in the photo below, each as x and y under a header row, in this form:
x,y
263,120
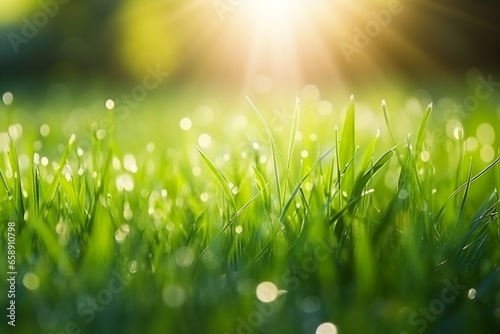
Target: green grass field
x,y
252,221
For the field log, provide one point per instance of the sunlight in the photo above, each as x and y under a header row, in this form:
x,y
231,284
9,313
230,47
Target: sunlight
x,y
276,34
268,46
277,12
11,11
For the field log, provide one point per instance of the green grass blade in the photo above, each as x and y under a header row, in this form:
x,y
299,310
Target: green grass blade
x,y
262,187
274,150
4,182
348,145
338,170
298,188
363,180
291,141
36,188
221,179
368,156
230,223
387,121
57,176
461,209
16,179
421,131
485,170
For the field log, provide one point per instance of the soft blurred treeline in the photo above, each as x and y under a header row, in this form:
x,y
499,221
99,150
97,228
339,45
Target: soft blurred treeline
x,y
88,42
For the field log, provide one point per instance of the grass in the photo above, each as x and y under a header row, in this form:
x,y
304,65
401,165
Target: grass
x,y
363,231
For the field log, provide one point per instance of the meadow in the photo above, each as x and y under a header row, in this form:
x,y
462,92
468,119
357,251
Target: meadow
x,y
315,217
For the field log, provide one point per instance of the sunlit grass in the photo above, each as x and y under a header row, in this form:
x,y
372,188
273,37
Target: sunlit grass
x,y
307,220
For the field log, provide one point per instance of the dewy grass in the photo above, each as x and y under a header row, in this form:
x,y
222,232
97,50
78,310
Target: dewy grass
x,y
175,239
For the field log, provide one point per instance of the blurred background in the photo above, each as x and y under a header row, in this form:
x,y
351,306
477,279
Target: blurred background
x,y
233,48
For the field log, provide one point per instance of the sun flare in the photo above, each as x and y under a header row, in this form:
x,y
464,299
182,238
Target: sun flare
x,y
277,12
289,43
276,34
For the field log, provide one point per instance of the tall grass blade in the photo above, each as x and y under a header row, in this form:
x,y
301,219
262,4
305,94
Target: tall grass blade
x,y
221,179
484,171
291,141
230,223
4,182
421,131
274,150
348,145
363,179
57,176
262,187
17,185
387,121
461,209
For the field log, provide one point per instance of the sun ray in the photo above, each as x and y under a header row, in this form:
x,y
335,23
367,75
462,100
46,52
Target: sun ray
x,y
293,43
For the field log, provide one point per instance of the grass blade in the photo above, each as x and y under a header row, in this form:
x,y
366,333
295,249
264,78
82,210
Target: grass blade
x,y
233,219
348,145
421,131
291,142
262,187
485,170
220,179
461,209
274,150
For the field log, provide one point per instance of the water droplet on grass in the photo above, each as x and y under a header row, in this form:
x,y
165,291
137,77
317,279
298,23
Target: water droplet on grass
x,y
129,163
101,134
127,212
15,131
485,134
185,124
267,292
326,328
471,144
204,197
324,108
204,140
173,296
44,130
110,104
425,156
125,182
184,257
31,281
310,304
132,267
403,194
7,98
487,153
196,171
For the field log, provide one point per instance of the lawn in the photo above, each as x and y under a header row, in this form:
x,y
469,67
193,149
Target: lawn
x,y
318,217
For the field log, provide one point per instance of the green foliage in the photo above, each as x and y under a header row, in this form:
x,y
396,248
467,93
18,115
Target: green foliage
x,y
345,232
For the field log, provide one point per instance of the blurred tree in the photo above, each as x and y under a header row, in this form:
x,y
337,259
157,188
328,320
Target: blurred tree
x,y
150,35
